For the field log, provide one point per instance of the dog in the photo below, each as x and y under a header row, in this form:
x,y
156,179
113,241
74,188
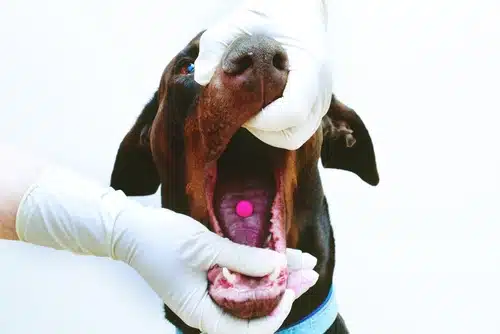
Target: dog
x,y
191,141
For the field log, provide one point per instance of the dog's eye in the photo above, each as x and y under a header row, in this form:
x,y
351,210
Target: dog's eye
x,y
187,69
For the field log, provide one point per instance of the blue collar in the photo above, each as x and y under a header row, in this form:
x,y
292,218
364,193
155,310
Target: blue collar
x,y
317,322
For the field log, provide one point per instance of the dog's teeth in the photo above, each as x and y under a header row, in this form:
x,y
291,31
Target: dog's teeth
x,y
268,240
274,275
227,275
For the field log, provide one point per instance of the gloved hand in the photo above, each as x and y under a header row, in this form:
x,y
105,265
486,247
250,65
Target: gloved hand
x,y
172,252
301,27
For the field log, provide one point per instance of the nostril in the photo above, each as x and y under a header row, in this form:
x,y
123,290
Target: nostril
x,y
280,61
238,65
243,63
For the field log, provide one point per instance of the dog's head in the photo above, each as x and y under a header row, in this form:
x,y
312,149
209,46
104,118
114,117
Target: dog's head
x,y
190,139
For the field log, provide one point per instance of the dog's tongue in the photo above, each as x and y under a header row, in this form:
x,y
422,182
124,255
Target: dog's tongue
x,y
242,205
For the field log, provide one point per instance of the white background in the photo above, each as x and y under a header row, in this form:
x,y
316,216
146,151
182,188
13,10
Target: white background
x,y
417,254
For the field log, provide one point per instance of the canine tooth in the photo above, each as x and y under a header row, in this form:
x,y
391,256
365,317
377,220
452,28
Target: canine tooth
x,y
227,275
268,240
274,275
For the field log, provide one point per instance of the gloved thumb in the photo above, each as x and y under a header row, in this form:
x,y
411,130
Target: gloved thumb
x,y
250,261
213,44
294,107
206,64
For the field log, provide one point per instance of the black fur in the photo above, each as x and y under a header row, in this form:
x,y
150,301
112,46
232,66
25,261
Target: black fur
x,y
134,157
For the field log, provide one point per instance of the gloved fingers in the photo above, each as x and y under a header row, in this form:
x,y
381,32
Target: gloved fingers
x,y
298,260
301,280
307,94
301,276
213,44
273,322
294,137
215,320
250,261
288,139
208,316
294,107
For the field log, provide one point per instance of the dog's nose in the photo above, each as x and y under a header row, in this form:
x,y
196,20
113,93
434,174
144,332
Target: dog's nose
x,y
255,54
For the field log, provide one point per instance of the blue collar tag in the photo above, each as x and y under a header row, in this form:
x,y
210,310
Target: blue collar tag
x,y
317,322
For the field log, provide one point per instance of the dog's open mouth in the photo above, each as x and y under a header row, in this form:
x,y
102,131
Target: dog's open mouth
x,y
245,194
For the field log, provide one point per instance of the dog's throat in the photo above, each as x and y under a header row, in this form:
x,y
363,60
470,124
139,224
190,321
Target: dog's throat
x,y
243,200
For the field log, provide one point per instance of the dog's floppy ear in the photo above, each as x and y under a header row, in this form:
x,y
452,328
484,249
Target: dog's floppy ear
x,y
347,144
134,171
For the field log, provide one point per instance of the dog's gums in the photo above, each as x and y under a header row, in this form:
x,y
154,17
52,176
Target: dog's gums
x,y
243,172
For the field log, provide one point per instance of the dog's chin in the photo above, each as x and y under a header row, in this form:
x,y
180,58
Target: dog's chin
x,y
250,171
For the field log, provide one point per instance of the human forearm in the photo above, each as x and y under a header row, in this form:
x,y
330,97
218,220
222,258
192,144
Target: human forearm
x,y
48,205
18,171
7,222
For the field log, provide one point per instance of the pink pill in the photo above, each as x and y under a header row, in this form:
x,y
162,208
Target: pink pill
x,y
244,209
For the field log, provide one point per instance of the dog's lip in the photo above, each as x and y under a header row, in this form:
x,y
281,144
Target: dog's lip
x,y
247,297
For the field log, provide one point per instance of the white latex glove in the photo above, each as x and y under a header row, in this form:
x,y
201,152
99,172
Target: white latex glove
x,y
172,252
301,27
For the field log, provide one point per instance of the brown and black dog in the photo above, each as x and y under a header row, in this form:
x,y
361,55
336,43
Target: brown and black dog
x,y
189,139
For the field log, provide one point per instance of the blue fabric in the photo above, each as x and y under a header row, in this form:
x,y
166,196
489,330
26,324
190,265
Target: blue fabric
x,y
315,323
